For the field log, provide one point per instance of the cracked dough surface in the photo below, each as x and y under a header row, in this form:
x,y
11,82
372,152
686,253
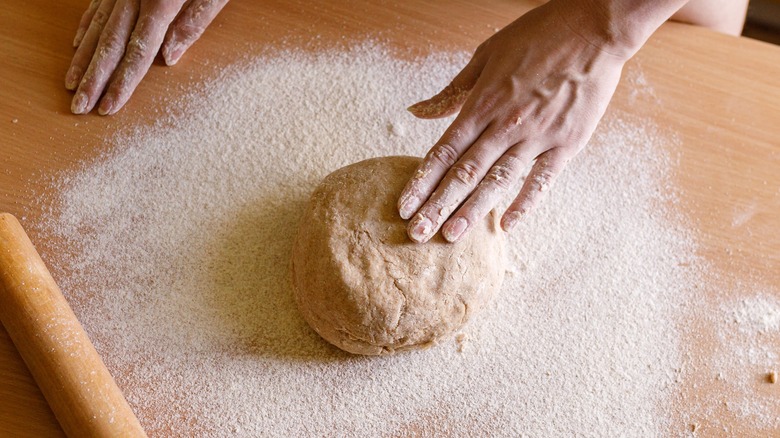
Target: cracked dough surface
x,y
364,286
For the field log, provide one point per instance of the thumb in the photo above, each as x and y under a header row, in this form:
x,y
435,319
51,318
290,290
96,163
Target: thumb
x,y
188,27
451,98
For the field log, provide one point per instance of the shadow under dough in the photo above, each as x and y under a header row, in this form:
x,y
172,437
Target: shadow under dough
x,y
247,270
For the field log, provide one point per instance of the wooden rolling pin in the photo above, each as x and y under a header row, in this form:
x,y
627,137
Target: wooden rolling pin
x,y
54,345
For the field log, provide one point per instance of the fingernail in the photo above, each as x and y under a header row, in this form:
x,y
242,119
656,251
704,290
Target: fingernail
x,y
79,36
79,105
174,57
105,107
408,207
420,229
72,78
452,232
172,53
511,220
419,109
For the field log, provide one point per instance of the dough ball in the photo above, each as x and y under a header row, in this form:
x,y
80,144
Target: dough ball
x,y
364,286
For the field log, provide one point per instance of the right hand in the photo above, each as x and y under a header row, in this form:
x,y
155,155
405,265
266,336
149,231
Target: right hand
x,y
534,91
117,41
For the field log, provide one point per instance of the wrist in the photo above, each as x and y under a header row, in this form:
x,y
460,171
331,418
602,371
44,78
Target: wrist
x,y
617,27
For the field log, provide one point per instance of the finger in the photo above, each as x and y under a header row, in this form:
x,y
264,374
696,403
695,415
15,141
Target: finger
x,y
141,49
188,27
439,159
498,181
109,51
86,19
467,128
88,44
451,98
459,181
543,174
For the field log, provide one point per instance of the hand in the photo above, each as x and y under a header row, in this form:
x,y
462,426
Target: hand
x,y
117,41
534,91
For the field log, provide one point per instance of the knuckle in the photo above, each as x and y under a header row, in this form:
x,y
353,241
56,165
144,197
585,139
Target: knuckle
x,y
100,18
111,43
136,48
501,175
444,154
543,180
420,174
515,117
509,129
466,172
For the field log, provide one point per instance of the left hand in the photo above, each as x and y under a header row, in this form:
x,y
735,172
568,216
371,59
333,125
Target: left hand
x,y
117,41
534,91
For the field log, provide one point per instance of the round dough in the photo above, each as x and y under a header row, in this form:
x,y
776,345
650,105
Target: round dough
x,y
364,286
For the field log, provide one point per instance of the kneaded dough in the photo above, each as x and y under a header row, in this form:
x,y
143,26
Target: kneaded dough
x,y
364,286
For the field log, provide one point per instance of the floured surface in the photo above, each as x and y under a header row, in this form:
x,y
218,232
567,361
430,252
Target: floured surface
x,y
743,371
180,241
747,352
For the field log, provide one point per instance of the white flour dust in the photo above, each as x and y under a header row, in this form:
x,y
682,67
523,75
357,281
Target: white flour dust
x,y
179,243
748,351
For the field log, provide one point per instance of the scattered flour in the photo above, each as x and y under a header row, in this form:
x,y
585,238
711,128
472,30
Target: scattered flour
x,y
178,246
749,331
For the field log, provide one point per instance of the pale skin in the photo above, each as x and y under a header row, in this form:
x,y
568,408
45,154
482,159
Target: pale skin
x,y
532,94
117,40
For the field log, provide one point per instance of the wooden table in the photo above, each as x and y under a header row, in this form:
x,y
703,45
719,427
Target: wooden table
x,y
720,93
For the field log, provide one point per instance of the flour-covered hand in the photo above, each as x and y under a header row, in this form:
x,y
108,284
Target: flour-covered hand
x,y
533,92
117,41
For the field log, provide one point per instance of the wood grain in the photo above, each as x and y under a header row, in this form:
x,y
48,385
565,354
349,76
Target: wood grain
x,y
719,94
